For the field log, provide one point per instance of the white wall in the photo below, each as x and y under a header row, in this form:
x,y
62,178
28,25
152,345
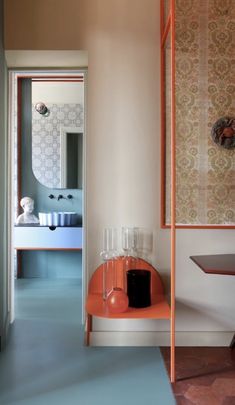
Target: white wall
x,y
124,123
58,92
123,173
206,302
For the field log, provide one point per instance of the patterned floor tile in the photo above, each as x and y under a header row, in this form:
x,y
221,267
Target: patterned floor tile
x,y
204,375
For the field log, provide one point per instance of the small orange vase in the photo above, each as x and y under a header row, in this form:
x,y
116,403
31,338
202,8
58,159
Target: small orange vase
x,y
117,301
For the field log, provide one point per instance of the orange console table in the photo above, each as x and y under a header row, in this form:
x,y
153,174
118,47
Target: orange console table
x,y
96,306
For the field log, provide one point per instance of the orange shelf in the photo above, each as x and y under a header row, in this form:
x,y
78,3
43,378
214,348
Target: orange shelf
x,y
96,306
159,309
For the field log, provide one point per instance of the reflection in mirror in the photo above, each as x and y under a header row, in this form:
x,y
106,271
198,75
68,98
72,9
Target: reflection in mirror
x,y
57,135
71,144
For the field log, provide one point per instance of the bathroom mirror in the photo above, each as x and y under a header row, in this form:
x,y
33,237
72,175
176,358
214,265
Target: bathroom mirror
x,y
71,144
57,131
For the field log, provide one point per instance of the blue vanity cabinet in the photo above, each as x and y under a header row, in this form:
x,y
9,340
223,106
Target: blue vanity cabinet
x,y
39,238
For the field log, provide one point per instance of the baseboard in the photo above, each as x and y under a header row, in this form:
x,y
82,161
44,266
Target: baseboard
x,y
160,338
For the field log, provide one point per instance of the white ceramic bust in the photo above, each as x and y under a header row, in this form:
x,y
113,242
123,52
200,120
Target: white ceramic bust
x,y
27,217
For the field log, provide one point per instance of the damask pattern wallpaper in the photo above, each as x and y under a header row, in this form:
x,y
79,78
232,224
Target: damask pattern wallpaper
x,y
46,139
205,92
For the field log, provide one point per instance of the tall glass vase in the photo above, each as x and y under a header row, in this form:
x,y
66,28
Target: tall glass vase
x,y
129,247
109,256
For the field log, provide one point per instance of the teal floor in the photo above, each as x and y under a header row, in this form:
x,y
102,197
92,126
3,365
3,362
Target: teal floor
x,y
45,362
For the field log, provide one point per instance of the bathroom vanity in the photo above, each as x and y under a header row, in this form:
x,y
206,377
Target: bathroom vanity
x,y
45,238
39,238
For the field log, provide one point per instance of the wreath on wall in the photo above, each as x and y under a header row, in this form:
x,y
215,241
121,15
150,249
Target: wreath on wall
x,y
223,132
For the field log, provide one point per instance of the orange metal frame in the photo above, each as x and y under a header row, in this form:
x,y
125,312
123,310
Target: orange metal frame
x,y
168,28
218,226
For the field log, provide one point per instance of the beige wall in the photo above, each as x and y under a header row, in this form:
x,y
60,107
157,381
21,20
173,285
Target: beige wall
x,y
122,42
123,145
44,24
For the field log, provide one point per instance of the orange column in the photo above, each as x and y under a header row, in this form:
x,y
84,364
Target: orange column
x,y
169,26
173,191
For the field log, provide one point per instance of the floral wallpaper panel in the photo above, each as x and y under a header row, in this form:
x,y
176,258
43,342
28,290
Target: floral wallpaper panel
x,y
205,90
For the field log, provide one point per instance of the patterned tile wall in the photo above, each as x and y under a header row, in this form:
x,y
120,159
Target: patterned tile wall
x,y
205,90
46,140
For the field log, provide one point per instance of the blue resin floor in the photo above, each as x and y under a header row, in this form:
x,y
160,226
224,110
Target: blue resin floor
x,y
45,362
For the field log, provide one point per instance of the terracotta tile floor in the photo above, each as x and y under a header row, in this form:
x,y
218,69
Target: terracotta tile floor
x,y
205,375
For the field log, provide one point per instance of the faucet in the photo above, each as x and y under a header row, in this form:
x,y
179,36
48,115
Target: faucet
x,y
60,196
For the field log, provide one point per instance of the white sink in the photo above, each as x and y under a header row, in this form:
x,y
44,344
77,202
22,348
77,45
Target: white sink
x,y
57,218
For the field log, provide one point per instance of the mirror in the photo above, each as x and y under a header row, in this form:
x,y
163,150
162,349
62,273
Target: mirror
x,y
57,131
71,158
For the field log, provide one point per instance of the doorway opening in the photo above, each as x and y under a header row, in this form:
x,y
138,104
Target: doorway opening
x,y
39,144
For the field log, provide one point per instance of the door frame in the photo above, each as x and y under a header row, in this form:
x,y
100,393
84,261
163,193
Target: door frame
x,y
13,130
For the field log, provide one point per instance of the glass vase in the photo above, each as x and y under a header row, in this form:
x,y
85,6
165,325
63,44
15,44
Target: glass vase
x,y
109,256
129,247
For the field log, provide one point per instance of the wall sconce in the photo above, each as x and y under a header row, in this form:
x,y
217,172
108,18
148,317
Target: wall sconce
x,y
223,132
42,109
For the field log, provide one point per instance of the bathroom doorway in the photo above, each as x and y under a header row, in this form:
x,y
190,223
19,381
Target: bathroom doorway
x,y
36,140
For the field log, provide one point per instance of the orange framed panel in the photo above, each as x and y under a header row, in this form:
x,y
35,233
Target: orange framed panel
x,y
163,126
166,30
165,27
161,18
199,226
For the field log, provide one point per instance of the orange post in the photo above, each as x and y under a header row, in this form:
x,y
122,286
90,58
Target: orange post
x,y
173,191
88,329
166,27
163,126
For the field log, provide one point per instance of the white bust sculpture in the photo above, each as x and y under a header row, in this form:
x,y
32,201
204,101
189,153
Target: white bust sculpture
x,y
27,217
